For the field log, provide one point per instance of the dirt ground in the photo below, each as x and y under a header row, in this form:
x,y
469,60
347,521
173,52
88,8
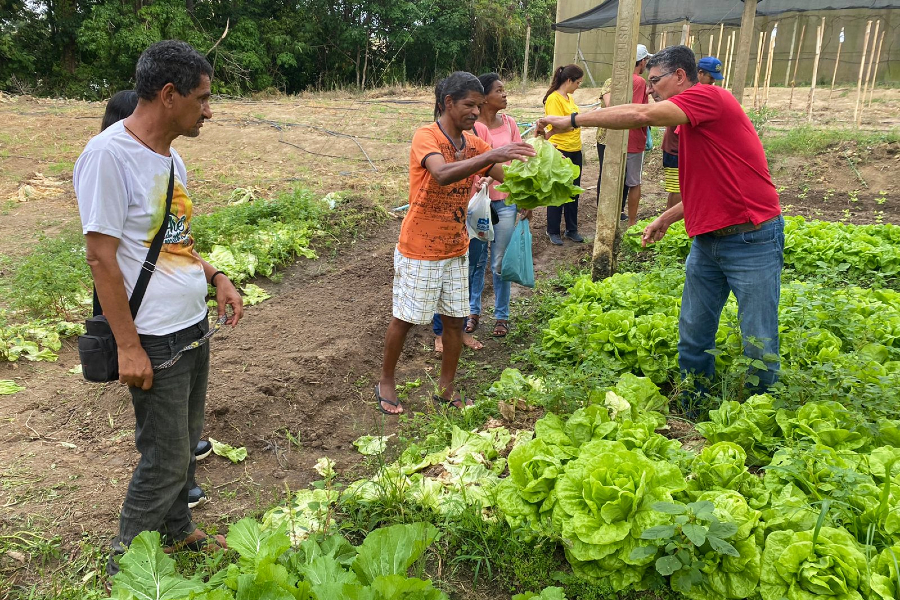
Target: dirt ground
x,y
302,364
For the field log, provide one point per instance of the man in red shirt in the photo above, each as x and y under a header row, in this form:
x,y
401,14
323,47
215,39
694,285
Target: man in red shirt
x,y
729,205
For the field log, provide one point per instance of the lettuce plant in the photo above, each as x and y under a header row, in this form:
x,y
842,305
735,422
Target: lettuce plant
x,y
808,565
543,180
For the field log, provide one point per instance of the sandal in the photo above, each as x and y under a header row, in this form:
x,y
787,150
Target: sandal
x,y
379,400
198,541
472,323
456,402
501,328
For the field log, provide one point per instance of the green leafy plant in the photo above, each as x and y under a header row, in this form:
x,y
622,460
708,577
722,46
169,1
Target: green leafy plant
x,y
233,454
694,533
542,180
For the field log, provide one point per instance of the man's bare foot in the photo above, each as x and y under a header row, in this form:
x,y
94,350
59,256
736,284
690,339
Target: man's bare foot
x,y
438,344
470,342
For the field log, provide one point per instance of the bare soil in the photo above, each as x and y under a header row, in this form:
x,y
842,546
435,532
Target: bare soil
x,y
301,366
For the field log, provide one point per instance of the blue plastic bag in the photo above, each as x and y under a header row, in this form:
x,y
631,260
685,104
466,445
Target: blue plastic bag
x,y
649,145
518,265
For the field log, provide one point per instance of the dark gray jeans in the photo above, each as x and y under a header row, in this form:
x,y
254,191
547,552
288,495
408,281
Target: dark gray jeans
x,y
168,423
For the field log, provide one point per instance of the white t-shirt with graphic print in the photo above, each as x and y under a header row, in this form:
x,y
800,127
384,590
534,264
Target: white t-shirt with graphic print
x,y
121,188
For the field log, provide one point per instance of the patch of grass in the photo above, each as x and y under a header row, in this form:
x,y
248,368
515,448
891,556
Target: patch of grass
x,y
60,168
808,141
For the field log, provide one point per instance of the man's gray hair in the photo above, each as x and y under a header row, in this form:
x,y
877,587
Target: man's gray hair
x,y
676,57
170,61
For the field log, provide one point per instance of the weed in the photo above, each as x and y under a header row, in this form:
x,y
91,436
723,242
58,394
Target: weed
x,y
808,141
853,195
882,197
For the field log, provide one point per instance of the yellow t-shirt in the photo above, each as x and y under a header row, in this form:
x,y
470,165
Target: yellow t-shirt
x,y
557,106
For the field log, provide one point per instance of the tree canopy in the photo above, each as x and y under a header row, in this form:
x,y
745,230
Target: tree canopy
x,y
88,48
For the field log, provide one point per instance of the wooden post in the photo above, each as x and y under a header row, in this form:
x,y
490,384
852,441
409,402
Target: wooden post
x,y
820,33
769,64
759,55
877,60
527,52
663,43
796,64
611,184
787,72
742,61
871,60
837,61
719,48
862,67
685,33
729,54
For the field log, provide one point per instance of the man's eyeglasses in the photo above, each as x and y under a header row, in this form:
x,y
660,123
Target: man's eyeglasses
x,y
658,78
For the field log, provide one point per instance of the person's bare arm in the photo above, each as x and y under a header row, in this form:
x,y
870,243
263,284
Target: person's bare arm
x,y
134,365
657,229
625,116
446,173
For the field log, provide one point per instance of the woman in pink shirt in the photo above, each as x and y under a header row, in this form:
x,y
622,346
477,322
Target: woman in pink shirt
x,y
502,130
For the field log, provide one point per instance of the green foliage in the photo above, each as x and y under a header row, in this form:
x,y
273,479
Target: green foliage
x,y
233,454
54,279
34,340
268,567
254,238
89,49
808,141
542,180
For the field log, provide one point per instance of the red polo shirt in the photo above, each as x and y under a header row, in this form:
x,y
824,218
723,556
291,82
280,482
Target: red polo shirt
x,y
722,168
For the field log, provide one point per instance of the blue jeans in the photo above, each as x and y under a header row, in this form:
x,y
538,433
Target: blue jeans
x,y
168,423
748,264
503,231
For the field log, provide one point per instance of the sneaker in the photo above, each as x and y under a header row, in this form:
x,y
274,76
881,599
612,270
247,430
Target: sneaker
x,y
196,497
555,239
623,217
203,449
574,236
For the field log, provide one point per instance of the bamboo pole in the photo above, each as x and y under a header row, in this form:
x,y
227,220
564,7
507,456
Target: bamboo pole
x,y
820,34
729,54
603,258
664,35
769,64
796,64
742,60
685,33
759,53
711,38
862,68
527,52
837,61
871,60
719,47
691,44
877,60
787,72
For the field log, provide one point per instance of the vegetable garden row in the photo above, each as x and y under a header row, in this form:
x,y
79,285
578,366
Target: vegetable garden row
x,y
786,495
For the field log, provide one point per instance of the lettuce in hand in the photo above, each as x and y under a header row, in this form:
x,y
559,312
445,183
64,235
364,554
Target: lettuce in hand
x,y
543,180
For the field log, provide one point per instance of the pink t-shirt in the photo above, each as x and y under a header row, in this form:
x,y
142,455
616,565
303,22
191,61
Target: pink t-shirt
x,y
722,168
507,133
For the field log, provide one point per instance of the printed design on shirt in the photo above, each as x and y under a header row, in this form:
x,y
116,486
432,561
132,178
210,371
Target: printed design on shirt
x,y
178,243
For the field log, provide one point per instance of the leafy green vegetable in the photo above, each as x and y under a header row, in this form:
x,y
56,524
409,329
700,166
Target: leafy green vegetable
x,y
371,444
808,565
8,386
233,454
548,593
253,294
148,573
751,425
543,180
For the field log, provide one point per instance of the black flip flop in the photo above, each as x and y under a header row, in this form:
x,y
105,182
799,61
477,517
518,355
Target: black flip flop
x,y
454,403
379,400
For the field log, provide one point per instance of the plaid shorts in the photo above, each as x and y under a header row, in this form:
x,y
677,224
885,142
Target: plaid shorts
x,y
423,288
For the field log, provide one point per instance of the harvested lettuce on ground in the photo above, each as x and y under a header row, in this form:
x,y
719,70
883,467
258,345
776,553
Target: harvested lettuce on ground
x,y
8,386
542,180
233,454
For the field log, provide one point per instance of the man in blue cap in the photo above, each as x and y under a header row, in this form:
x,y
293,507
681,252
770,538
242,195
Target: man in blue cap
x,y
709,70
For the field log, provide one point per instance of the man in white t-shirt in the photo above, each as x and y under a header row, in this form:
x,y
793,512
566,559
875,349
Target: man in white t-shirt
x,y
121,180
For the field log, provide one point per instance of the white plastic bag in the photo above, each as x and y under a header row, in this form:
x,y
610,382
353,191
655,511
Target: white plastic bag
x,y
478,219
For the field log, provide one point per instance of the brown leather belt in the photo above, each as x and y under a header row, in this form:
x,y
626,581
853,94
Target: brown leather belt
x,y
739,228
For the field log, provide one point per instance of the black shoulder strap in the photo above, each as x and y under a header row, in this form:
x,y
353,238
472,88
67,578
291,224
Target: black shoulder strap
x,y
149,266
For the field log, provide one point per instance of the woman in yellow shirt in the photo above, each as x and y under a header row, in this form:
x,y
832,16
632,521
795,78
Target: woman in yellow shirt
x,y
558,101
